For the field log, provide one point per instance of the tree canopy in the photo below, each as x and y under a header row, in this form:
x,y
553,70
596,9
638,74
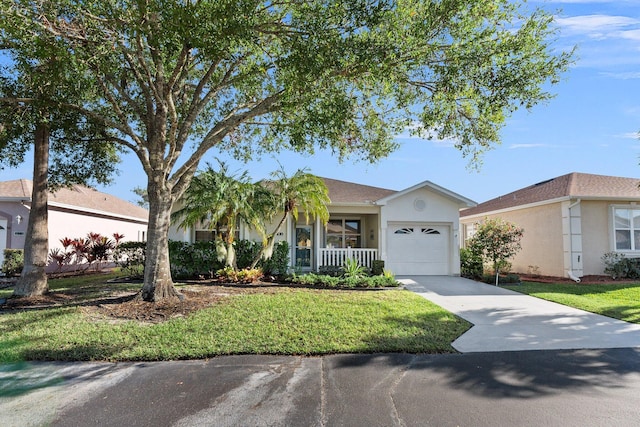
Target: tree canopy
x,y
174,79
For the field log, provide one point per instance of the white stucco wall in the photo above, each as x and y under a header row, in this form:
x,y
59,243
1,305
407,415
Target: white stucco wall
x,y
75,225
15,232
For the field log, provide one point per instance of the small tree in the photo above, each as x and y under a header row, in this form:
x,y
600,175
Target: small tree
x,y
496,241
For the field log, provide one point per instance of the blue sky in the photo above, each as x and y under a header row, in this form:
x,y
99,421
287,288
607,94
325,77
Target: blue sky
x,y
591,125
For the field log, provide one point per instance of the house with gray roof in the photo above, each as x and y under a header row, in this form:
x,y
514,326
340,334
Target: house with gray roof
x,y
569,222
415,230
73,212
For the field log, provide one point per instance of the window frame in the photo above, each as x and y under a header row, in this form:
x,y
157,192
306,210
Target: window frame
x,y
343,235
633,230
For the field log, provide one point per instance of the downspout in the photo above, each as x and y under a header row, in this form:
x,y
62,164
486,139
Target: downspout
x,y
570,272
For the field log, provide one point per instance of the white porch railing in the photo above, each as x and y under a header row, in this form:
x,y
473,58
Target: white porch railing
x,y
337,257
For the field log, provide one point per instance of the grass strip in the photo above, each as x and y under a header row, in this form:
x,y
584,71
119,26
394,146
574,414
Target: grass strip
x,y
619,301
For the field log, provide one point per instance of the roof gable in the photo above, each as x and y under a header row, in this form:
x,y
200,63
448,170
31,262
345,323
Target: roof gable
x,y
458,199
75,197
573,185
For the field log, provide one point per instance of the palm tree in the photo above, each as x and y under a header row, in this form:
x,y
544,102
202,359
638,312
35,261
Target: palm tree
x,y
219,200
290,195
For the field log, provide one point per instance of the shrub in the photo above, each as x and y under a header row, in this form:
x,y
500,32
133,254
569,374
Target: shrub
x,y
377,267
83,252
470,264
330,270
193,259
246,252
13,262
130,257
230,275
618,266
278,264
325,281
507,279
352,269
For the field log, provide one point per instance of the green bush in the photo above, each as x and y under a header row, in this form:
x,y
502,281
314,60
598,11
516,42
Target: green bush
x,y
228,274
278,264
325,281
246,252
193,259
470,264
330,270
618,266
13,262
377,267
189,260
502,280
130,257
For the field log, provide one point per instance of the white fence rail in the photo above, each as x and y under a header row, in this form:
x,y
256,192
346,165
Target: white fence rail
x,y
337,257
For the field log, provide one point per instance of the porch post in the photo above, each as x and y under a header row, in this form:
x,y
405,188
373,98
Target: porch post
x,y
316,243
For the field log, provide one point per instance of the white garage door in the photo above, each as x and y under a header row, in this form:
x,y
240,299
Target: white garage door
x,y
418,249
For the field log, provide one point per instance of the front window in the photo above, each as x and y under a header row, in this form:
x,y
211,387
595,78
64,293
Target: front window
x,y
344,233
627,229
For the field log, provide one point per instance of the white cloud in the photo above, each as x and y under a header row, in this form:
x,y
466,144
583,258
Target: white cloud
x,y
630,35
630,135
597,26
630,75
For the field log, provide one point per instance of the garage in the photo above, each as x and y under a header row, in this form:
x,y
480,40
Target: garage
x,y
418,249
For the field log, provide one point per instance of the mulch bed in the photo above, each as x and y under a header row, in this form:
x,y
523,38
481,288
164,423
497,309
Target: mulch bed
x,y
129,306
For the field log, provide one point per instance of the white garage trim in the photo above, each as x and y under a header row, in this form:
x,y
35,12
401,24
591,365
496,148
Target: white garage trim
x,y
419,248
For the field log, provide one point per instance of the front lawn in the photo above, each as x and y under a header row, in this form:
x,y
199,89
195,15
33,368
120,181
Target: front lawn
x,y
620,301
235,320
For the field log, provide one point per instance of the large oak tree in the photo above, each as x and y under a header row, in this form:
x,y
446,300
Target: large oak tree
x,y
67,148
178,78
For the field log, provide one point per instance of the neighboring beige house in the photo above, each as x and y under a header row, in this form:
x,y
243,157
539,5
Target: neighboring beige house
x,y
73,212
415,231
569,222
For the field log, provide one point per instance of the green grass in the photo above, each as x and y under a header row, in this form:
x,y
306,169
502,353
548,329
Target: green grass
x,y
620,301
294,321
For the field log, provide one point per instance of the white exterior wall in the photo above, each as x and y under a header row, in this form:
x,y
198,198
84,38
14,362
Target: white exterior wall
x,y
75,225
15,235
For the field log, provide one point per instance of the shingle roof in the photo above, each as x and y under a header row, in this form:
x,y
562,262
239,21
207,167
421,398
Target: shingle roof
x,y
573,185
78,196
348,192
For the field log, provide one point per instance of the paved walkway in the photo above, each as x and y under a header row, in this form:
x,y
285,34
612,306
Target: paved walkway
x,y
508,321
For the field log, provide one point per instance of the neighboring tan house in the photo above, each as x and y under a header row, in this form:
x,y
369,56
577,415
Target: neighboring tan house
x,y
73,212
415,231
569,222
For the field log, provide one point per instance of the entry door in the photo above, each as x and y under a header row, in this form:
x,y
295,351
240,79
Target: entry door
x,y
303,248
3,239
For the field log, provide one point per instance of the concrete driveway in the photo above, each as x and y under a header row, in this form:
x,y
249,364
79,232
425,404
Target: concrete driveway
x,y
508,321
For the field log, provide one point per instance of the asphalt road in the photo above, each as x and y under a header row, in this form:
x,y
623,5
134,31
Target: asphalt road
x,y
532,388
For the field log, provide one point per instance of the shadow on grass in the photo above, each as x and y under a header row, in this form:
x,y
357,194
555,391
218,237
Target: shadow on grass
x,y
426,333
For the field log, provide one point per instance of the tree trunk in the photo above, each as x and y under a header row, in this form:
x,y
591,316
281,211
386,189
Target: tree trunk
x,y
267,248
158,284
33,279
